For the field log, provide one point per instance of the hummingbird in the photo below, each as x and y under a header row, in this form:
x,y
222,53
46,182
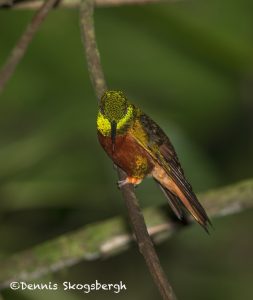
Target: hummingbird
x,y
137,145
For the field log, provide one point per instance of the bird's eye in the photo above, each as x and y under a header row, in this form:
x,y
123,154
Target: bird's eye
x,y
125,109
102,109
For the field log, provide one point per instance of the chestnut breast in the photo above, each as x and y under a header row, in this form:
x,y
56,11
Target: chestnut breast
x,y
128,155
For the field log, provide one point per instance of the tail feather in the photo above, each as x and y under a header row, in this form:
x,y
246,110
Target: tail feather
x,y
194,208
178,208
179,202
174,202
180,195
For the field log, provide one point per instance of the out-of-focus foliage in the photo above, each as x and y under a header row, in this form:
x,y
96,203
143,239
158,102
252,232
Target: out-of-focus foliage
x,y
188,65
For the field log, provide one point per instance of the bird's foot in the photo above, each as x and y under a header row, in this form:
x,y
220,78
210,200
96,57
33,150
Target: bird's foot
x,y
131,180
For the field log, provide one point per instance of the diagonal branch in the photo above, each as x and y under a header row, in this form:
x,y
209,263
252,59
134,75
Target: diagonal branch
x,y
109,237
34,4
136,218
24,41
91,50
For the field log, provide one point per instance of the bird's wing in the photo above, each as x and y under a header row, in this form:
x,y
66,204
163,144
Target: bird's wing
x,y
160,148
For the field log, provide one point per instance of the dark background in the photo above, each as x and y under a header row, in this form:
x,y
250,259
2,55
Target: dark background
x,y
189,65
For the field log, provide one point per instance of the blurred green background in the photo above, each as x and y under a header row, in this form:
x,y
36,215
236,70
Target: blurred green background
x,y
189,65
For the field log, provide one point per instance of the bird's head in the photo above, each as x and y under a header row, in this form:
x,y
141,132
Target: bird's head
x,y
113,106
115,112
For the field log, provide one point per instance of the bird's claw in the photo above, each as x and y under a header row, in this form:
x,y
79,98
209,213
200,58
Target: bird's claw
x,y
129,180
121,183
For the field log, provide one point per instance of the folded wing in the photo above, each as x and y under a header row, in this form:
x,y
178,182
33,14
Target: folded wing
x,y
162,151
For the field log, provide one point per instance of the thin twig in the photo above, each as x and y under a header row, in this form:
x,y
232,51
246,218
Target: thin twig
x,y
6,3
145,243
34,4
136,218
112,236
91,50
24,41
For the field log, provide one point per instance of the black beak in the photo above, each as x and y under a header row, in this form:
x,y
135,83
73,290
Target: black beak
x,y
113,134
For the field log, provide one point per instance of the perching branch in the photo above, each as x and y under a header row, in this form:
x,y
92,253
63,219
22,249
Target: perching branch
x,y
34,4
91,50
109,237
24,41
136,218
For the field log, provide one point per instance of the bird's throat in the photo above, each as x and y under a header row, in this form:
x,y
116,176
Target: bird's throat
x,y
104,125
